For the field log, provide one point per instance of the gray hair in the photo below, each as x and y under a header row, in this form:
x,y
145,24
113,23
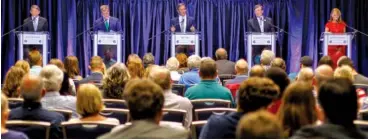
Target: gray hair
x,y
52,77
266,57
172,64
194,61
148,59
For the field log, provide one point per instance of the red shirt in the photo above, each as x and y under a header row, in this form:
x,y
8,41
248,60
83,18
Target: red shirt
x,y
336,27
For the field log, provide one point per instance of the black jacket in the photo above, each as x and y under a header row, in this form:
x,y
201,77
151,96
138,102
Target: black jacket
x,y
253,25
41,27
329,131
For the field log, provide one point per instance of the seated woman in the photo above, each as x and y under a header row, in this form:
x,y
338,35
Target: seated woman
x,y
71,67
90,104
12,82
114,81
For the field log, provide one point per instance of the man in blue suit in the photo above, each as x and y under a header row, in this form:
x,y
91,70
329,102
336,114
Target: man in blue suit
x,y
106,22
183,24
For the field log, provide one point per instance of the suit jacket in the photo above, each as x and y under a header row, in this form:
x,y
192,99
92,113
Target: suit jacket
x,y
95,77
42,25
115,25
175,22
253,25
225,67
144,129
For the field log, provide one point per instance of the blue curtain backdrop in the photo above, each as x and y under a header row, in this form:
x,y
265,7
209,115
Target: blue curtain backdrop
x,y
222,23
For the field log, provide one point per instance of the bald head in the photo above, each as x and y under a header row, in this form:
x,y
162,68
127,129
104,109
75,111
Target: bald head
x,y
31,88
161,76
257,71
323,73
278,62
241,67
305,74
221,54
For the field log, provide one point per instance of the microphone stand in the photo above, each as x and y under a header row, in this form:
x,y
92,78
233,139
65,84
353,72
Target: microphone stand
x,y
16,28
164,31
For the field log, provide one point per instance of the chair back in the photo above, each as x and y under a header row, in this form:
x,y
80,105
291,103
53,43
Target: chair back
x,y
204,114
15,102
115,103
120,114
196,128
363,115
362,125
178,89
224,77
210,103
66,113
33,129
85,129
174,115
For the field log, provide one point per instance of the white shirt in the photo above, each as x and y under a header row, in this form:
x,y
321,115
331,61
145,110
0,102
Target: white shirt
x,y
53,100
107,120
185,23
175,76
173,101
261,23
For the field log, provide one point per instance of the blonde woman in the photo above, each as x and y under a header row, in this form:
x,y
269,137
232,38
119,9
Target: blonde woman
x,y
12,82
23,65
114,81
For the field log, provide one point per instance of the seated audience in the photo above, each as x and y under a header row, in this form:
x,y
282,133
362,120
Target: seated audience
x,y
6,133
298,107
339,102
249,126
224,66
96,66
326,60
257,71
12,82
191,77
23,65
135,66
267,57
241,69
67,86
280,78
52,77
305,62
183,62
208,88
35,61
145,101
358,78
114,82
148,70
161,76
148,59
90,105
306,75
173,65
278,62
254,94
71,64
32,91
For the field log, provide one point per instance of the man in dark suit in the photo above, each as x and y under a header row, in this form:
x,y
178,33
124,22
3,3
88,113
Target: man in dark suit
x,y
35,23
183,24
106,22
259,24
96,66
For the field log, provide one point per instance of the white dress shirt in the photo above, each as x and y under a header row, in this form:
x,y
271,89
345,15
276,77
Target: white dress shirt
x,y
183,29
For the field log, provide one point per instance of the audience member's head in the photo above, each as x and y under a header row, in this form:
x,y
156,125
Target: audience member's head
x,y
344,72
58,63
172,64
241,67
52,77
338,99
326,60
96,64
322,73
344,60
221,54
35,58
305,74
208,69
23,65
148,70
145,100
12,82
89,100
306,61
32,88
259,125
148,59
4,110
183,60
298,107
71,66
194,61
114,81
266,57
278,62
135,66
161,76
257,71
256,93
279,77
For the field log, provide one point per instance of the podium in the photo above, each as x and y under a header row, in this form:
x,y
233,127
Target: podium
x,y
254,38
189,38
33,38
343,39
107,38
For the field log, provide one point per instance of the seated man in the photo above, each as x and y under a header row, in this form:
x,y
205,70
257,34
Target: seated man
x,y
254,94
305,62
96,66
145,101
208,88
224,66
32,91
191,77
257,71
306,75
241,69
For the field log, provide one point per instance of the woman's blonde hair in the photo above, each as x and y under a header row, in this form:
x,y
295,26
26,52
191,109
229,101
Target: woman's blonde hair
x,y
337,12
114,81
344,72
12,81
23,64
58,63
135,66
71,66
89,100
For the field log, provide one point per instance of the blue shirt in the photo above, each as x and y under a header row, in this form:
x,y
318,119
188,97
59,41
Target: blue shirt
x,y
237,80
292,76
221,126
13,135
35,70
208,89
190,78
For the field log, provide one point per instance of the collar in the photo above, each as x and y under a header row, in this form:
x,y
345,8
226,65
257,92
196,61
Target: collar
x,y
52,94
36,17
31,105
36,66
208,81
144,121
260,17
104,19
194,69
183,16
242,75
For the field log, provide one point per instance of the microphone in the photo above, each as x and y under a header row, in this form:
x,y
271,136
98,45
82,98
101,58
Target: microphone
x,y
165,30
356,30
93,26
280,29
17,28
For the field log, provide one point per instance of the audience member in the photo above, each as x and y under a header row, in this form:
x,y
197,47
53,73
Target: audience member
x,y
183,62
306,75
322,74
114,82
67,86
90,105
267,57
241,69
148,59
339,102
32,91
358,78
173,65
161,76
135,66
224,66
305,62
52,77
35,60
257,71
71,64
23,65
6,133
280,78
145,101
326,60
298,107
96,66
191,77
12,82
278,62
147,70
259,125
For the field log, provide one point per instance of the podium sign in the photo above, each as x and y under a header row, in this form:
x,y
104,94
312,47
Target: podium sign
x,y
267,39
189,38
261,39
343,39
185,39
33,38
107,38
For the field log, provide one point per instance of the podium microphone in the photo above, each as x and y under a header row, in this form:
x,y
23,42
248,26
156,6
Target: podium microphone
x,y
16,28
164,30
277,27
93,26
356,30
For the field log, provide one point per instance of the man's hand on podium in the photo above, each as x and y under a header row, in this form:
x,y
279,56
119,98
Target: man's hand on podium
x,y
172,29
192,28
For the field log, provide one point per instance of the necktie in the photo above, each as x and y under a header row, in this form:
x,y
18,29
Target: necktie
x,y
34,23
261,23
182,25
107,25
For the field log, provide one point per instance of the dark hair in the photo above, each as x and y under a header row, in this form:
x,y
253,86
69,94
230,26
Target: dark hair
x,y
208,68
346,61
306,61
338,99
279,77
256,93
326,60
179,5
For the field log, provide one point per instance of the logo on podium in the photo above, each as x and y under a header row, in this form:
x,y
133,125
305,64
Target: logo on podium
x,y
330,41
25,41
254,41
39,41
344,41
99,41
268,41
114,41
